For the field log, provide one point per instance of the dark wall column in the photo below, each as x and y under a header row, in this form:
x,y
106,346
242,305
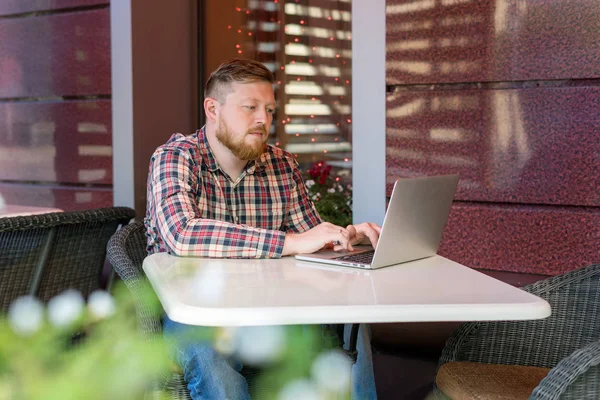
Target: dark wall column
x,y
154,79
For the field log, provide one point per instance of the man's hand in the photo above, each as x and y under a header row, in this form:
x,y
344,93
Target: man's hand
x,y
365,233
325,234
317,238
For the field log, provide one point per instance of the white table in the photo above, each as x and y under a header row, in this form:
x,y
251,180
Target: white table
x,y
10,210
217,292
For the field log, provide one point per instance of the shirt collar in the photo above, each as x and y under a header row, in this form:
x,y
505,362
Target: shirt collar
x,y
211,162
207,155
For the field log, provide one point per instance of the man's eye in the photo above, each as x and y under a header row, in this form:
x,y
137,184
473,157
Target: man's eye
x,y
270,110
250,107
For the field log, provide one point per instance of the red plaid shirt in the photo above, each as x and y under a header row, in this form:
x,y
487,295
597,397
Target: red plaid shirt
x,y
195,209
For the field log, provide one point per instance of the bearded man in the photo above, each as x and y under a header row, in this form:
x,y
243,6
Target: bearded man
x,y
223,192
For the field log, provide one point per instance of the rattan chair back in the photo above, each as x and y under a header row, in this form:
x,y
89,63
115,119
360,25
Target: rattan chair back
x,y
45,254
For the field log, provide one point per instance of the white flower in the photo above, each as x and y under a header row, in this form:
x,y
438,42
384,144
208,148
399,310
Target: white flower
x,y
259,345
300,389
225,340
65,308
331,190
25,315
332,371
309,183
101,304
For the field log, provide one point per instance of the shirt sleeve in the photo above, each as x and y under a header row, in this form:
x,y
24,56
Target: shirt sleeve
x,y
174,181
302,214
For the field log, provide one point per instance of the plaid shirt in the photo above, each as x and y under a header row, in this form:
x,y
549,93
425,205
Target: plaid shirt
x,y
195,209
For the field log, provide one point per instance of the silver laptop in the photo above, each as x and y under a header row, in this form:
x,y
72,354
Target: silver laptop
x,y
412,228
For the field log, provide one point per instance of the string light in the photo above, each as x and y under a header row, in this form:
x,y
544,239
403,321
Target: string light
x,y
303,31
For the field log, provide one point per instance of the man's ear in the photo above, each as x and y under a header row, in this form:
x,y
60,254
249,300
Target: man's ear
x,y
211,109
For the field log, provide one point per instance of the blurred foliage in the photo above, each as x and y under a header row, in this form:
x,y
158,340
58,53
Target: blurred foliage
x,y
108,358
331,198
88,359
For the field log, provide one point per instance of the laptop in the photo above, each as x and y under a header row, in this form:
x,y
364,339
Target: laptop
x,y
412,228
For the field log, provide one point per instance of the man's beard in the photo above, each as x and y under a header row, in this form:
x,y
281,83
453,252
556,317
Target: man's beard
x,y
239,147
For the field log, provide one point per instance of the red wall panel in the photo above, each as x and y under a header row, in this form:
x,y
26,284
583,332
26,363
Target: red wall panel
x,y
69,142
55,55
506,94
543,240
22,6
535,146
63,197
488,40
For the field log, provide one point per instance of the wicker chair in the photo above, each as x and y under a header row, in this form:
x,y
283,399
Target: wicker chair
x,y
554,358
44,254
126,252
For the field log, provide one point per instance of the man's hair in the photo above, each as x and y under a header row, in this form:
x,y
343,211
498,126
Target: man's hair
x,y
235,70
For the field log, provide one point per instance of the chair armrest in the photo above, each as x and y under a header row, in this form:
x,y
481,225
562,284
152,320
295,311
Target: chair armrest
x,y
148,313
556,337
574,377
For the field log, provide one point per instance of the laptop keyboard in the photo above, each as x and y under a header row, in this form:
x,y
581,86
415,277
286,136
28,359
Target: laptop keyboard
x,y
363,258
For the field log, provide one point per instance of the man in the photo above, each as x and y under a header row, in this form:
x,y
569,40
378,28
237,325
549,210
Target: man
x,y
223,192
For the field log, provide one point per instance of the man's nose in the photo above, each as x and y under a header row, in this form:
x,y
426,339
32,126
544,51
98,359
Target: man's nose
x,y
261,116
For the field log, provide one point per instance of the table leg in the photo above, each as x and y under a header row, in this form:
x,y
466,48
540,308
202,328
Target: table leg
x,y
352,352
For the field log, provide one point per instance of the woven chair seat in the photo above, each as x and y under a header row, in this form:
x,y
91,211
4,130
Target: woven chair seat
x,y
477,381
561,353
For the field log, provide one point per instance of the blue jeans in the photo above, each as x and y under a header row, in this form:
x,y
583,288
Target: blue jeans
x,y
211,375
